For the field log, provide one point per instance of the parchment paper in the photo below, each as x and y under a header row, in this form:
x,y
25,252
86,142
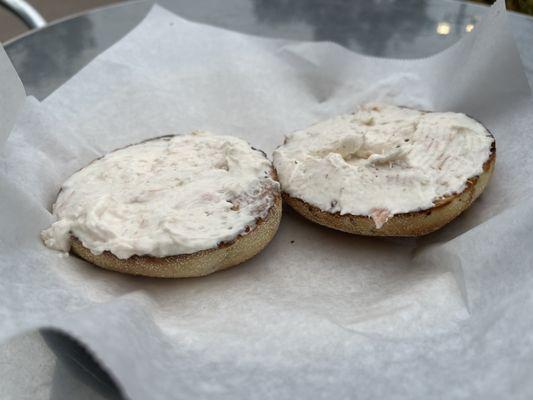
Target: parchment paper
x,y
319,313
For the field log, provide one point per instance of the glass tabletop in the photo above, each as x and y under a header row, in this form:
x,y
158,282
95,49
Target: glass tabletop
x,y
385,28
50,366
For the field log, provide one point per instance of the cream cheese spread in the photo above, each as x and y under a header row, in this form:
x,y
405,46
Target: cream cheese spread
x,y
167,196
382,160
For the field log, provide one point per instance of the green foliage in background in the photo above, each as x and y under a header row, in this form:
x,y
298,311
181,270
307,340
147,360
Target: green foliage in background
x,y
525,6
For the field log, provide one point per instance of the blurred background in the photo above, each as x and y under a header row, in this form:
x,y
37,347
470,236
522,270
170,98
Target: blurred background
x,y
52,10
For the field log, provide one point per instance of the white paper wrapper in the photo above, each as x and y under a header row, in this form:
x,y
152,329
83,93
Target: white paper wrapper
x,y
319,313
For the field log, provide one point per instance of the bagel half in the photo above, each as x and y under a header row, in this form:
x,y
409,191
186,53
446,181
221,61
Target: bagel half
x,y
197,264
415,223
217,253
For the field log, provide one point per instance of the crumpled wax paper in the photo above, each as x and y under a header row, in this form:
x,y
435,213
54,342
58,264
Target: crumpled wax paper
x,y
319,313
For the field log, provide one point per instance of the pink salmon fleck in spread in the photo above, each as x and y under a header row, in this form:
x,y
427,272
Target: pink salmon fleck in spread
x,y
380,216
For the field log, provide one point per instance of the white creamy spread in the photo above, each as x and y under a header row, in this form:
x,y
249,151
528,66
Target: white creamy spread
x,y
382,160
167,196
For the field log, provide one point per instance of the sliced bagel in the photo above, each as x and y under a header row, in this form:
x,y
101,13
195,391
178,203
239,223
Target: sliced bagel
x,y
415,223
200,263
170,207
370,174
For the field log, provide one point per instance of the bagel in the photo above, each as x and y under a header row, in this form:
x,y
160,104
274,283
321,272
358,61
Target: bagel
x,y
170,207
386,170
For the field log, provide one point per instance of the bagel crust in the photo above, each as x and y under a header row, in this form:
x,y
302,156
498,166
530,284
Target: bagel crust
x,y
415,223
196,264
